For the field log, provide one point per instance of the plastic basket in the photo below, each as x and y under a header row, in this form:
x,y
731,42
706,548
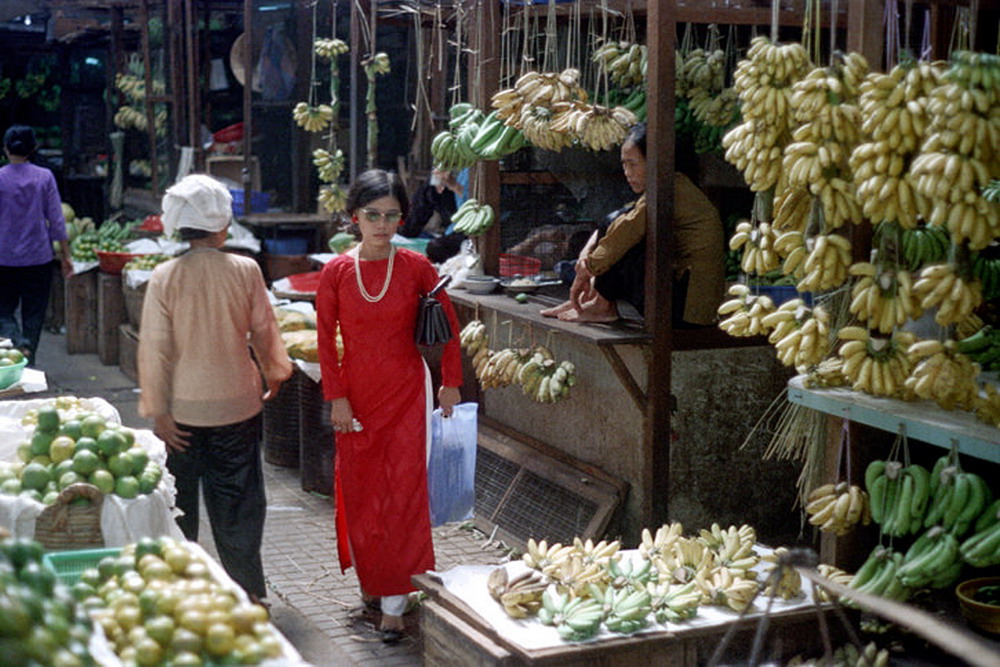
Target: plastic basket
x,y
69,565
259,202
114,262
519,265
287,246
11,374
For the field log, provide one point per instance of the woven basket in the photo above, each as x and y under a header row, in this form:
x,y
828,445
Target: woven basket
x,y
316,439
281,424
70,524
133,297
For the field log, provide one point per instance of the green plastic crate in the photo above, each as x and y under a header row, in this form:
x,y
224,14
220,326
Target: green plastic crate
x,y
68,565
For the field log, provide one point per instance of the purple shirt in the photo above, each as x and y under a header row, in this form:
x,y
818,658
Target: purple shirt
x,y
31,216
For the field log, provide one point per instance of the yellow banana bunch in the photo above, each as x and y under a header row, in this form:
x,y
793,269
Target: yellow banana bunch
x,y
787,584
328,49
791,210
962,150
758,251
876,366
328,165
967,326
572,576
828,373
521,596
541,556
883,299
715,110
500,369
704,70
894,123
763,82
624,62
988,406
733,548
673,603
939,286
332,198
746,312
128,117
941,374
536,125
601,553
134,87
825,267
836,508
722,587
474,337
660,544
595,127
542,89
834,574
312,118
801,335
686,559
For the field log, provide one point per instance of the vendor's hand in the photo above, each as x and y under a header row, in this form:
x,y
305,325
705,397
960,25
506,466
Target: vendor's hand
x,y
580,291
165,428
341,415
273,387
67,267
448,398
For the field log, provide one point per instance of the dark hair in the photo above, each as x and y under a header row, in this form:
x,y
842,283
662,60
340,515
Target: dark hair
x,y
20,140
637,136
375,184
192,234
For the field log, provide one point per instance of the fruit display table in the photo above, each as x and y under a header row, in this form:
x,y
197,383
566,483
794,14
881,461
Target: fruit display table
x,y
125,514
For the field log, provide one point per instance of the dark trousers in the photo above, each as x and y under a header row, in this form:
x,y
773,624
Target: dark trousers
x,y
225,462
27,287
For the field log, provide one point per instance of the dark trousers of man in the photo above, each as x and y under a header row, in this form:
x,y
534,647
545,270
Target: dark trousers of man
x,y
27,286
225,462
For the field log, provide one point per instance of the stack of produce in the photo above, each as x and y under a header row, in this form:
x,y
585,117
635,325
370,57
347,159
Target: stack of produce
x,y
109,237
158,602
40,622
70,444
145,262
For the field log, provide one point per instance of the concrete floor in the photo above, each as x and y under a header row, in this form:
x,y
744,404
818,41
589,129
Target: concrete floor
x,y
316,607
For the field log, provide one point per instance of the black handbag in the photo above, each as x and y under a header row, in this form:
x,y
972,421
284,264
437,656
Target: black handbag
x,y
433,327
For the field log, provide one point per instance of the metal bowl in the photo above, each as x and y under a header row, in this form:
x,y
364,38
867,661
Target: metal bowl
x,y
480,284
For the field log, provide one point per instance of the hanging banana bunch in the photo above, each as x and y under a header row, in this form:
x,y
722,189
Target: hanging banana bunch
x,y
876,366
791,210
746,312
378,64
537,89
624,62
312,118
894,123
825,267
943,375
883,297
801,335
763,81
328,166
759,256
595,127
950,289
962,151
329,49
332,197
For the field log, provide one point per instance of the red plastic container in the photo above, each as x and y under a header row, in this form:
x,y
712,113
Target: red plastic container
x,y
230,133
114,262
519,265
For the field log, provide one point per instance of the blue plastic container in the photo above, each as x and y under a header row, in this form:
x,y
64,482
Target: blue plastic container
x,y
259,202
781,293
287,246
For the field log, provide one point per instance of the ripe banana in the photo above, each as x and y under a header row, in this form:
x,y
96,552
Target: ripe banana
x,y
745,312
836,508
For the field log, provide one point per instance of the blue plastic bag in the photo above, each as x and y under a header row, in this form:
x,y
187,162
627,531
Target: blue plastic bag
x,y
451,467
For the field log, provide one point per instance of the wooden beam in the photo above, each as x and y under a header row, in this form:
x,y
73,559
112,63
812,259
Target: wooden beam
x,y
488,171
147,70
865,34
661,28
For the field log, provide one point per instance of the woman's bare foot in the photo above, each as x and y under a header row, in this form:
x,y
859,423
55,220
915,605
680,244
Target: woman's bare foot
x,y
598,310
555,311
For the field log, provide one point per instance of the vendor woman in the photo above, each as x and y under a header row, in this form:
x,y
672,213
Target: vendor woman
x,y
612,266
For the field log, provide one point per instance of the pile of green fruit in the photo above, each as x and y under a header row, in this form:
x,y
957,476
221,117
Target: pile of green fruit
x,y
145,262
158,603
109,237
84,448
40,622
10,357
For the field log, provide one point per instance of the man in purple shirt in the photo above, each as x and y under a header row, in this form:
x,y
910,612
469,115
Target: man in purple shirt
x,y
31,218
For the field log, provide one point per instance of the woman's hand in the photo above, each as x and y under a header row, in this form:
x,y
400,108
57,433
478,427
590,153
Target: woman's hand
x,y
165,428
273,387
341,415
582,290
448,398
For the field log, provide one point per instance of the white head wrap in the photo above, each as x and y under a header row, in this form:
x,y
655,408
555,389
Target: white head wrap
x,y
197,201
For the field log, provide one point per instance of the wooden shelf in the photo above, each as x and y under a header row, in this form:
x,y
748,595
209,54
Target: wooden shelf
x,y
923,420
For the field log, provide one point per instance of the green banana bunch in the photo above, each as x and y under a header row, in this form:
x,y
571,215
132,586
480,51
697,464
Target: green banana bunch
x,y
673,603
626,610
899,496
877,576
495,139
461,114
957,497
545,380
575,618
983,347
988,272
328,49
921,245
982,549
473,218
933,560
630,574
452,150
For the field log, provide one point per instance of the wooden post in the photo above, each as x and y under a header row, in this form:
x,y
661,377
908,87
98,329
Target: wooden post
x,y
301,155
247,106
660,31
193,84
488,171
147,71
81,313
110,315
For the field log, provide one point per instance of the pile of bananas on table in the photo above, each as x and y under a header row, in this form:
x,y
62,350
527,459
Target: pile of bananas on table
x,y
951,511
582,586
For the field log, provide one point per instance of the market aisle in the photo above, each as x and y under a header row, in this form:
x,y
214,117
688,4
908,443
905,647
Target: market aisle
x,y
316,607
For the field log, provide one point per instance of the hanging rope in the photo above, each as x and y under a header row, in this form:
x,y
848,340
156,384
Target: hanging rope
x,y
926,50
456,86
551,37
890,20
833,29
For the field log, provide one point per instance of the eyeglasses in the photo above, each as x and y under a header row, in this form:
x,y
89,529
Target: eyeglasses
x,y
374,215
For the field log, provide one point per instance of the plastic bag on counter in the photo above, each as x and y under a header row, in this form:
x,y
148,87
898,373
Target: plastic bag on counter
x,y
466,263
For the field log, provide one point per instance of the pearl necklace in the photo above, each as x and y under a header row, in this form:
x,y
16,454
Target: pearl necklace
x,y
385,286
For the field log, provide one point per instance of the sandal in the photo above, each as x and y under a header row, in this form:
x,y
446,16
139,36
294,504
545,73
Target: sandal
x,y
390,636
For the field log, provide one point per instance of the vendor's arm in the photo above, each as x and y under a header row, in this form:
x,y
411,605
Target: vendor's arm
x,y
627,230
155,359
265,336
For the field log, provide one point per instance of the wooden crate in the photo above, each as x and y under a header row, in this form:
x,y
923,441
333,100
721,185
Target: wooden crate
x,y
110,315
55,312
81,313
453,633
128,347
